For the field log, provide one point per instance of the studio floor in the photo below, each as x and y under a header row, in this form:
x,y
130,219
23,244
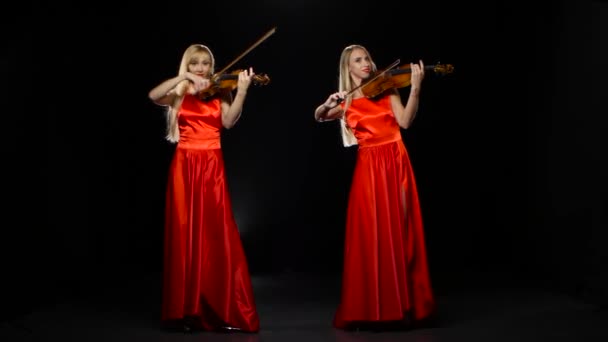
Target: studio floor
x,y
296,307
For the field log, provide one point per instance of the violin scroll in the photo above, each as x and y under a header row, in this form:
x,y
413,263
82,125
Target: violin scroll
x,y
260,80
443,69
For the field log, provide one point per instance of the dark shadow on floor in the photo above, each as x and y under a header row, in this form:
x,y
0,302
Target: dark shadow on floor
x,y
297,307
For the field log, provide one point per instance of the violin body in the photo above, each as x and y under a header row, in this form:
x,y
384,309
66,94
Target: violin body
x,y
399,78
228,82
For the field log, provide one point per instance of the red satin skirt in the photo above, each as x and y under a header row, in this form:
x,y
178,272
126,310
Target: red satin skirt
x,y
206,277
385,277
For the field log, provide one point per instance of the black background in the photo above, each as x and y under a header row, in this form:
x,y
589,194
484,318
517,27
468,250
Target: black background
x,y
508,150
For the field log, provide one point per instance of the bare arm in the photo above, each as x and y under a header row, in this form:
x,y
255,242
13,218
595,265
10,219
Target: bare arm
x,y
405,114
164,93
329,110
232,108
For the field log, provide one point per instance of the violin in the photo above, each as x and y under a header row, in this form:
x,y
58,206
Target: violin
x,y
398,78
228,82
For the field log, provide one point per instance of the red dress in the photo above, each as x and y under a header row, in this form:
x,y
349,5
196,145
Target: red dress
x,y
206,277
385,277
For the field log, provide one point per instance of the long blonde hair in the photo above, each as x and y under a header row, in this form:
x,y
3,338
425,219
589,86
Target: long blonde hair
x,y
182,87
345,83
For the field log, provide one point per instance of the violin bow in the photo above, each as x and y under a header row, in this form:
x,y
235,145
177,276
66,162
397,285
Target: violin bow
x,y
264,37
394,64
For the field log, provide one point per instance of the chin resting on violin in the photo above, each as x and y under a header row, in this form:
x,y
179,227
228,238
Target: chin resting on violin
x,y
355,83
196,79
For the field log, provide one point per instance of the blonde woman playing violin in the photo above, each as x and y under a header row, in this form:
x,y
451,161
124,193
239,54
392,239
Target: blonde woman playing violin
x,y
206,281
385,281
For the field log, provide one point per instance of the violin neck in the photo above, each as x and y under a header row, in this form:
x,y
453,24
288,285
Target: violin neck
x,y
401,71
225,77
229,77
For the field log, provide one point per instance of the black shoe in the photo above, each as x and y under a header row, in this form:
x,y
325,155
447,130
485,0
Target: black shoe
x,y
189,324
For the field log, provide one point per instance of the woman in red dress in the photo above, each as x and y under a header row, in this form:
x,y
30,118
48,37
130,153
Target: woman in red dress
x,y
385,280
206,281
